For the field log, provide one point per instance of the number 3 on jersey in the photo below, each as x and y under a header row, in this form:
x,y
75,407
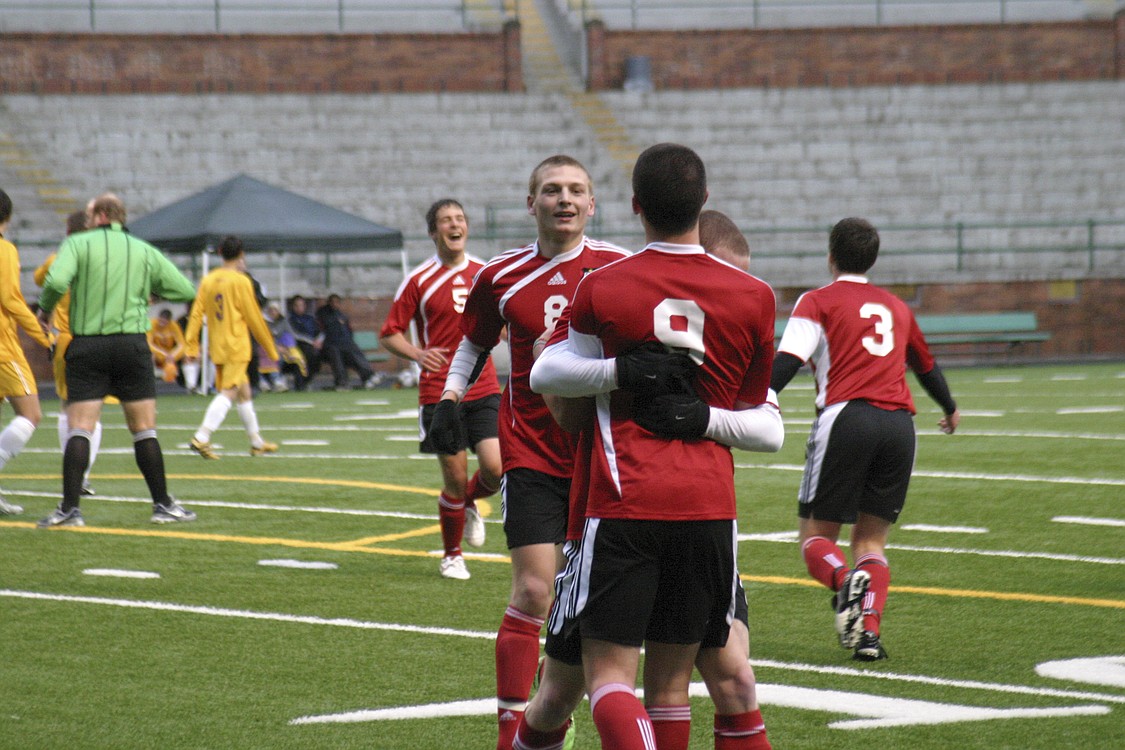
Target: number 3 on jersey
x,y
883,342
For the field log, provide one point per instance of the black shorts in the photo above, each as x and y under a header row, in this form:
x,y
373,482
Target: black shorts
x,y
564,643
716,636
476,422
117,365
859,458
534,507
663,581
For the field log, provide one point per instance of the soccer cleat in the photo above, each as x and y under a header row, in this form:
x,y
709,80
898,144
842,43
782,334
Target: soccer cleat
x,y
171,512
474,527
9,509
87,490
849,607
373,382
454,567
59,517
204,449
869,648
263,449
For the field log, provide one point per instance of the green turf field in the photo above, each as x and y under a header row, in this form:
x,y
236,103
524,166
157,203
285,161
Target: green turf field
x,y
1008,565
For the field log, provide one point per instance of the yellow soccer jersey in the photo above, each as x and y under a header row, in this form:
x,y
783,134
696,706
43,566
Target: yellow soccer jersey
x,y
166,339
13,307
60,316
226,299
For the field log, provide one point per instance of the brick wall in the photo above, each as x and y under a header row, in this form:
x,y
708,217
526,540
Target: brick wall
x,y
248,63
862,56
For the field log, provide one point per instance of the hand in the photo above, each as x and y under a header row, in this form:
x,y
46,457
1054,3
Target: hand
x,y
651,370
948,423
432,360
445,428
676,416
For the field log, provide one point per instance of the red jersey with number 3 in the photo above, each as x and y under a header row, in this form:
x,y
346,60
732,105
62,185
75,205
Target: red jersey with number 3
x,y
689,301
433,297
859,339
527,292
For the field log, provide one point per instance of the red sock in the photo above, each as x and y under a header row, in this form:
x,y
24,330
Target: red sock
x,y
452,515
476,488
621,719
741,731
532,739
825,561
517,658
671,726
876,598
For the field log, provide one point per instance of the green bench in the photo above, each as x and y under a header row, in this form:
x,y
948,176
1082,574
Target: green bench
x,y
368,343
973,329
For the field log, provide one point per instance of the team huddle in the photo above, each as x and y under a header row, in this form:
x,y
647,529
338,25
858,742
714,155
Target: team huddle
x,y
633,375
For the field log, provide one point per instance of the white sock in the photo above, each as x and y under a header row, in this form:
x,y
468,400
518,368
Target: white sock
x,y
250,422
14,438
191,374
95,443
64,429
214,417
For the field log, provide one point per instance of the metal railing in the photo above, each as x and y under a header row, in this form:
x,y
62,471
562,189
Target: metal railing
x,y
636,14
244,16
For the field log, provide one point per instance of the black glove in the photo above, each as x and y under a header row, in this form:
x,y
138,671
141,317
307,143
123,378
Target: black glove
x,y
445,428
674,416
651,370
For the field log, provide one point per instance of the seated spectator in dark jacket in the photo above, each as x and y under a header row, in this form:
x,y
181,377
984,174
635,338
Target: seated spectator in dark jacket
x,y
309,337
339,349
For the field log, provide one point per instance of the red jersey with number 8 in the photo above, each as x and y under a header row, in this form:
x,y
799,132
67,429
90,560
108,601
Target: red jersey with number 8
x,y
527,292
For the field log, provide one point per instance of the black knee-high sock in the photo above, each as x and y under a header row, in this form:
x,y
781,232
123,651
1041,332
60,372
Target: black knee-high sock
x,y
150,460
76,458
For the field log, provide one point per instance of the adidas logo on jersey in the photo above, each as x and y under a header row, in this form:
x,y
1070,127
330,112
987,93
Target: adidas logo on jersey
x,y
459,281
557,279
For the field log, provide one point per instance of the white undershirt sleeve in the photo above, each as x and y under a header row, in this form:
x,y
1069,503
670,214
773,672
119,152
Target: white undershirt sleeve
x,y
464,360
758,429
563,372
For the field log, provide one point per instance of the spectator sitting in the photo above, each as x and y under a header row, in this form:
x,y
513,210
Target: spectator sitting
x,y
340,348
309,338
292,360
166,340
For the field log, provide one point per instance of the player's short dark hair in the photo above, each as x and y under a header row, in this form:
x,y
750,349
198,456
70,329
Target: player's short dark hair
x,y
558,160
670,186
230,247
76,222
431,214
720,236
853,245
5,207
165,313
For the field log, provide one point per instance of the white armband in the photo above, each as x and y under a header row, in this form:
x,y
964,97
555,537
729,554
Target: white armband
x,y
758,429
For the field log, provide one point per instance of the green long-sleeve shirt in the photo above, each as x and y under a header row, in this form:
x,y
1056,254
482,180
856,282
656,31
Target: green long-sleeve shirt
x,y
111,276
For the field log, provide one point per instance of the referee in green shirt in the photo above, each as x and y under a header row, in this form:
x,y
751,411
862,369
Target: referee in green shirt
x,y
111,276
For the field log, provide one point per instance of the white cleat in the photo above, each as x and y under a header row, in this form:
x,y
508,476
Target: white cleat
x,y
454,567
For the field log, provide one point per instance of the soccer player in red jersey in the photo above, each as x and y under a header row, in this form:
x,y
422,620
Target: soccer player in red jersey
x,y
525,290
657,564
433,297
859,340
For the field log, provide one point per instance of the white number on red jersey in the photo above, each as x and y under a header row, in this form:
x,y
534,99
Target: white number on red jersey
x,y
678,324
883,342
553,307
460,294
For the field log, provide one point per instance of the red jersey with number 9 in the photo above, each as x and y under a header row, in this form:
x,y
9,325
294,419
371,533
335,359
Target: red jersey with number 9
x,y
859,339
527,292
692,302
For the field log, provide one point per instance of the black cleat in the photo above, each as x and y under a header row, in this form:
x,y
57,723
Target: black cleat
x,y
869,648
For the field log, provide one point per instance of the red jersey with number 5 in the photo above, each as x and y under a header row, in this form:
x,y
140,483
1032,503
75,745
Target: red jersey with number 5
x,y
527,292
859,339
433,296
692,302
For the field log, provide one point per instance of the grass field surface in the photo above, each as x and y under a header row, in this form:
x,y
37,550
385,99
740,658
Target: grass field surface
x,y
304,608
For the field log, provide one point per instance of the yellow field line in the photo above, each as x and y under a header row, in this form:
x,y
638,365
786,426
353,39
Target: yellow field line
x,y
360,545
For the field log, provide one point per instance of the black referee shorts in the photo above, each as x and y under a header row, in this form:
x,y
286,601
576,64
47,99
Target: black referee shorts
x,y
115,365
